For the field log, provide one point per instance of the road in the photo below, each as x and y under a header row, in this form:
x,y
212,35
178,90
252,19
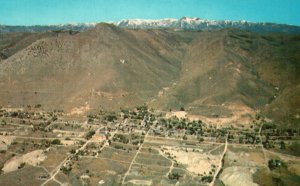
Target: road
x,y
220,163
172,165
57,169
262,146
45,138
133,160
288,156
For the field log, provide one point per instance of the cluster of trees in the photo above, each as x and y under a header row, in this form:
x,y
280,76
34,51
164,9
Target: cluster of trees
x,y
194,127
110,116
139,113
106,116
42,126
18,114
134,139
66,169
248,138
121,138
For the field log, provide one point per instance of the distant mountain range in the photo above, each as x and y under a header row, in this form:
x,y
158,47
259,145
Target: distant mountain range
x,y
184,23
45,28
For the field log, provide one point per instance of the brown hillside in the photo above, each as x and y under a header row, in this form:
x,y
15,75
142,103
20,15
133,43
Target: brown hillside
x,y
113,67
105,66
11,43
217,69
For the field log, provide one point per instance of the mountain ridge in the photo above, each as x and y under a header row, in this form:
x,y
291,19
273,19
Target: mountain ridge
x,y
184,23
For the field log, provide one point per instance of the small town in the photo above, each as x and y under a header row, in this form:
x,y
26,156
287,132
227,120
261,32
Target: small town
x,y
140,146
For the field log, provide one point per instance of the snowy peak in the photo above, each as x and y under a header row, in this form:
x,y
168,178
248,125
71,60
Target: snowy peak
x,y
187,23
191,20
146,23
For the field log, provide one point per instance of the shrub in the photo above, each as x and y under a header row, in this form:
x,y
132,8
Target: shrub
x,y
207,179
38,106
21,165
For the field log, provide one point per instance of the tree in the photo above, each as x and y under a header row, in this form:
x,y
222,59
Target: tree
x,y
56,142
241,139
199,138
174,176
282,145
90,134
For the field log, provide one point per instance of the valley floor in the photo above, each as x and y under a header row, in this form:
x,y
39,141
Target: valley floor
x,y
141,147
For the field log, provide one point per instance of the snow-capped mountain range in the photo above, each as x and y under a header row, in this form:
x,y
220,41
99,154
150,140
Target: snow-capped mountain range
x,y
184,23
187,23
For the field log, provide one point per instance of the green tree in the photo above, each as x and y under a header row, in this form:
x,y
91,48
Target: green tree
x,y
56,142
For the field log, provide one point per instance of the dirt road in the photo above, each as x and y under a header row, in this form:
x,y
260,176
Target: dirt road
x,y
220,163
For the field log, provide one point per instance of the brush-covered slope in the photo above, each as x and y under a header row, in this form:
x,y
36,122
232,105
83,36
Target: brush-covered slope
x,y
104,66
278,63
10,43
115,67
217,70
261,71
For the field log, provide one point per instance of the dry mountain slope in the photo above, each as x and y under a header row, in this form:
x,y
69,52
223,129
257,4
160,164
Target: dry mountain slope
x,y
231,66
217,70
116,67
10,43
104,66
278,63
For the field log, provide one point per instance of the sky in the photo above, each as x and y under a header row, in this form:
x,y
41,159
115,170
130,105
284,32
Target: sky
x,y
42,12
